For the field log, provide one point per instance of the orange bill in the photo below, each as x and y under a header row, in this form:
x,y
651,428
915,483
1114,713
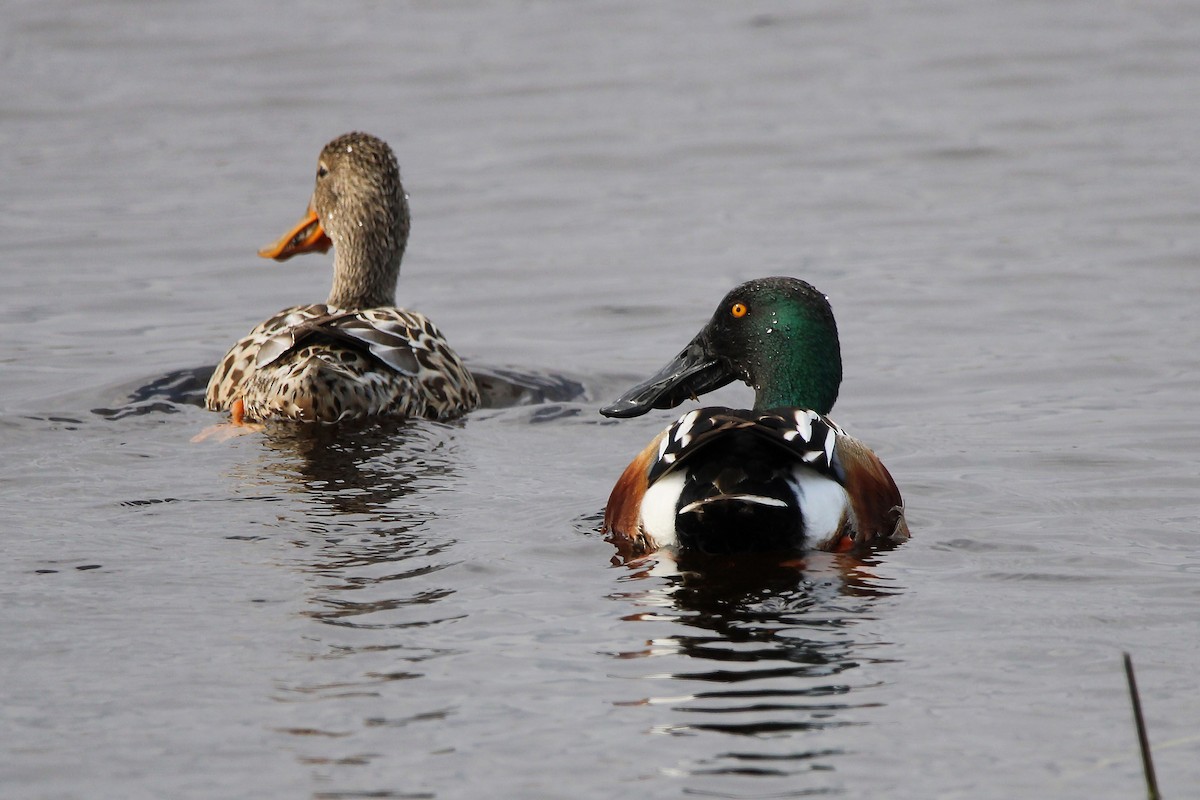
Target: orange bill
x,y
306,237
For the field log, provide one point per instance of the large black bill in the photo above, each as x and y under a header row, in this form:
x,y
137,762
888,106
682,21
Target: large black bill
x,y
692,373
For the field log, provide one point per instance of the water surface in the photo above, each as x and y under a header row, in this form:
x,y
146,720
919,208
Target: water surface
x,y
1000,200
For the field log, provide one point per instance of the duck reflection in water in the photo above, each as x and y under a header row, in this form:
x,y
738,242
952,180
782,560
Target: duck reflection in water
x,y
755,646
353,503
361,467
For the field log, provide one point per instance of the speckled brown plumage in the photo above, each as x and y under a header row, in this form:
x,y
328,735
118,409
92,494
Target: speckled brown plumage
x,y
356,355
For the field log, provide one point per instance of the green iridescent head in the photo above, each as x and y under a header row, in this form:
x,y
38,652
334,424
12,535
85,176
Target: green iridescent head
x,y
776,334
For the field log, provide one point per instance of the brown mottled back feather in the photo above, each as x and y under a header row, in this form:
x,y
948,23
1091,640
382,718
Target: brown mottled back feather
x,y
327,379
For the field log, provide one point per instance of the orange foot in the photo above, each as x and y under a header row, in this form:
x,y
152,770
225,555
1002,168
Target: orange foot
x,y
237,426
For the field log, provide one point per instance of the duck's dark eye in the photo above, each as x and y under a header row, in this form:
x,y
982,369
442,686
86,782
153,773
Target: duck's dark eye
x,y
738,310
321,171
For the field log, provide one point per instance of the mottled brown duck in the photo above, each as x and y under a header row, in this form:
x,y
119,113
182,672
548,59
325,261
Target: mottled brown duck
x,y
356,355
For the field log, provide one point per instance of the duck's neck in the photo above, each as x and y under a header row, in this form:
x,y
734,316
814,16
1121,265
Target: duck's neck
x,y
362,279
805,374
366,259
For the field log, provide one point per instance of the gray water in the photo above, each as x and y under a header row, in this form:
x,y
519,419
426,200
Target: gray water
x,y
1001,199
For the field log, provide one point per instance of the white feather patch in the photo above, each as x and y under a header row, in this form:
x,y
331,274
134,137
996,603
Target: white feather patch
x,y
824,503
684,426
658,509
662,447
830,442
753,499
804,421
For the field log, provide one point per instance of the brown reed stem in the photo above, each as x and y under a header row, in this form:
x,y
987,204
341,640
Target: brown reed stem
x,y
1143,740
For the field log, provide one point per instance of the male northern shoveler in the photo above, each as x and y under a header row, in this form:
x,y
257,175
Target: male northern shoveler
x,y
777,477
355,355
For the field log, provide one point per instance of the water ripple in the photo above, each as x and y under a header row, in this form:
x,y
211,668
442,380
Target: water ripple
x,y
757,649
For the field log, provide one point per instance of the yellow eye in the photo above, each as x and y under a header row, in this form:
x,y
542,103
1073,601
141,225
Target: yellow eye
x,y
738,310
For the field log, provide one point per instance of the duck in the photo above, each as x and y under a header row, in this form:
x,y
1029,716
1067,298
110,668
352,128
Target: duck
x,y
778,477
356,355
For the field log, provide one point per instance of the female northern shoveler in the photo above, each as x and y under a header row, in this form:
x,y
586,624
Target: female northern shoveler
x,y
777,477
355,355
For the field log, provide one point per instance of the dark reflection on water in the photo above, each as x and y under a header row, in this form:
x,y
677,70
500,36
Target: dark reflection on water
x,y
359,527
504,388
162,395
760,651
360,468
353,508
499,387
365,539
